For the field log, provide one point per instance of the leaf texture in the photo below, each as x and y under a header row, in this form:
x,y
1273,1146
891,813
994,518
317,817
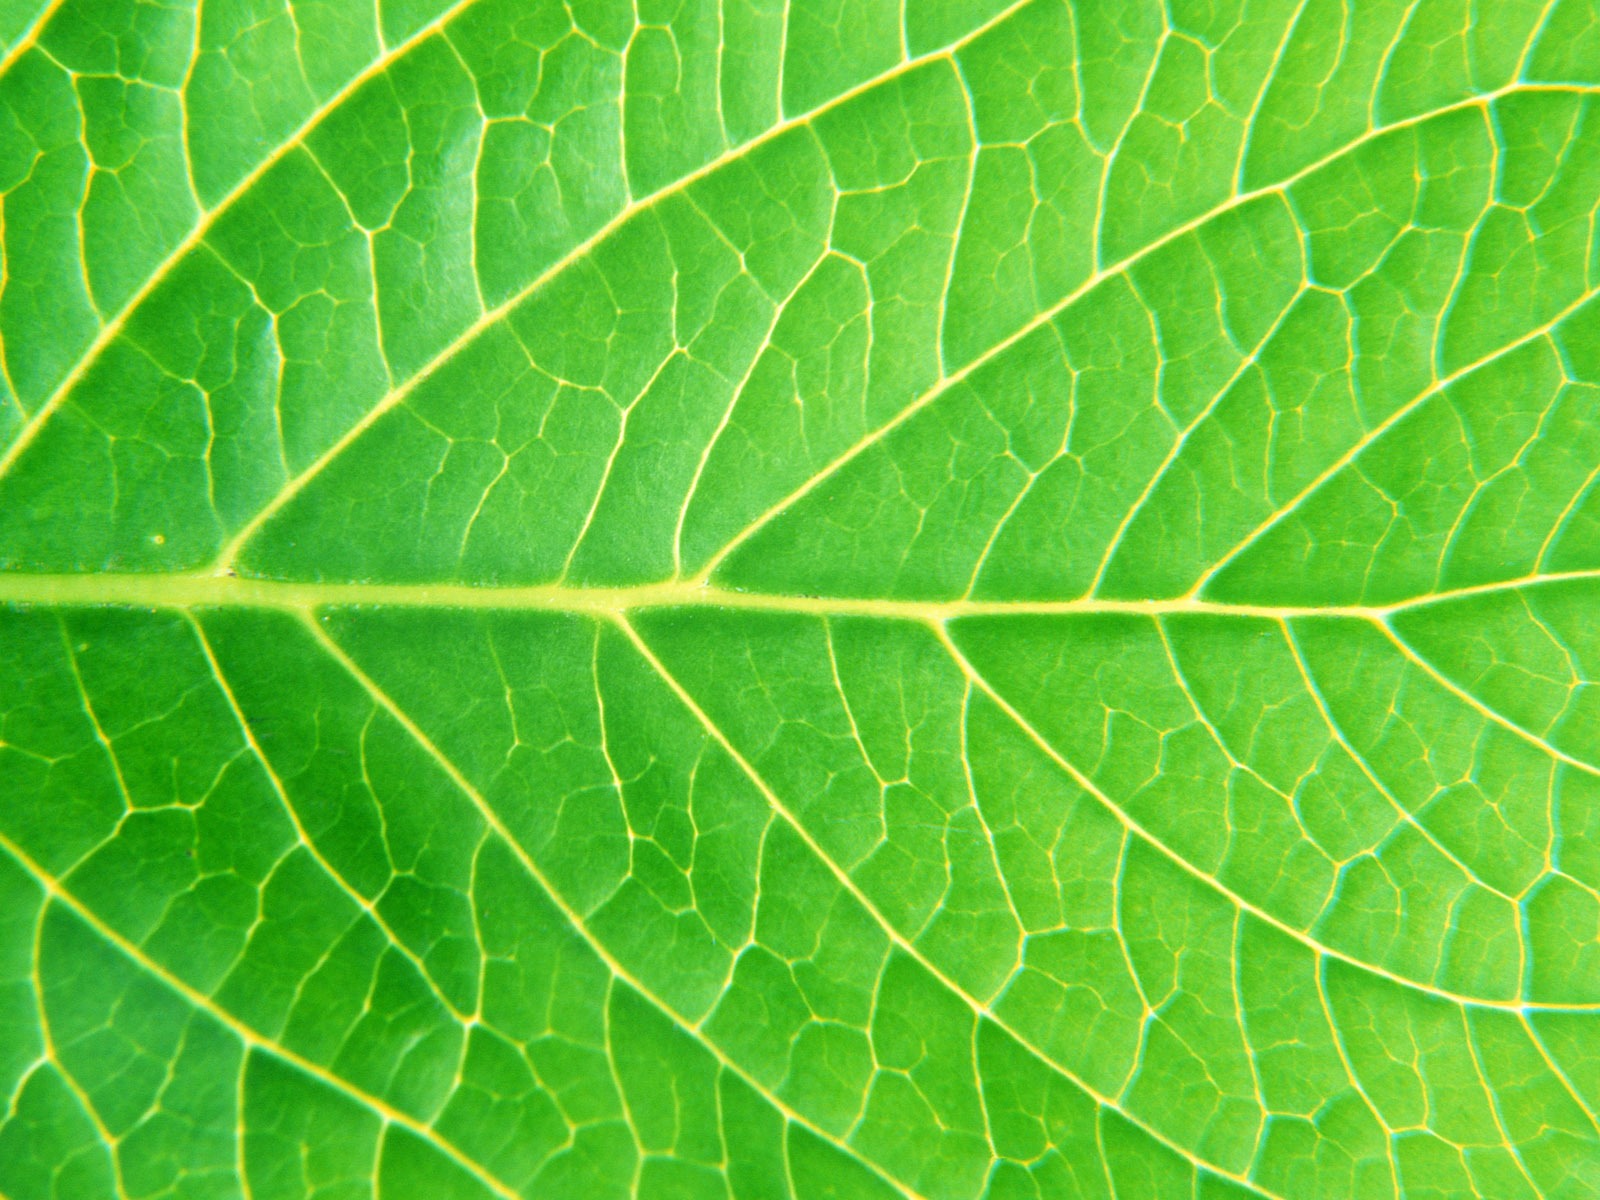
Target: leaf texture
x,y
826,598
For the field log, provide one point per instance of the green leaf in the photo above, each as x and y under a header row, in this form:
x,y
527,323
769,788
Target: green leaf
x,y
845,598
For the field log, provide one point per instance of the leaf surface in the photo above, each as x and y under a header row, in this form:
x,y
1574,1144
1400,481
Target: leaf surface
x,y
836,599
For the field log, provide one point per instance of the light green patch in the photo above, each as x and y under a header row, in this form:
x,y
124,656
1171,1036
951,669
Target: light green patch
x,y
830,600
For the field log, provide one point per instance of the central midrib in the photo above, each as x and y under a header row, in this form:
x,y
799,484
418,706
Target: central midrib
x,y
211,589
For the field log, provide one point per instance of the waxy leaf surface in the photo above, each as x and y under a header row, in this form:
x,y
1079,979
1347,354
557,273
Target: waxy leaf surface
x,y
784,599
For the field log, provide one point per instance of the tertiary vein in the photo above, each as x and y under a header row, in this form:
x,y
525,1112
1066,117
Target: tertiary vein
x,y
576,922
980,1009
1113,270
110,330
577,253
61,894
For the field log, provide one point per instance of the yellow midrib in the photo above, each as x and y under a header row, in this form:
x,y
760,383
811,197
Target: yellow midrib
x,y
187,590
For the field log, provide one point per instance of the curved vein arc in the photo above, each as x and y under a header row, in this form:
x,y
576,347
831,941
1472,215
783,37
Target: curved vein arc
x,y
230,552
110,330
337,653
1236,201
1337,1036
1561,1074
979,1009
302,836
1495,1106
1489,713
390,1115
1137,828
1246,363
1336,731
1438,387
52,1057
29,37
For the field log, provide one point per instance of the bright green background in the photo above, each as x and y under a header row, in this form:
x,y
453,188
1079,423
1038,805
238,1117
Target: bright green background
x,y
837,599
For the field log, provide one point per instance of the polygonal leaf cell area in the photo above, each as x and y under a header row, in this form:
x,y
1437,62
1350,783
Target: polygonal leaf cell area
x,y
799,599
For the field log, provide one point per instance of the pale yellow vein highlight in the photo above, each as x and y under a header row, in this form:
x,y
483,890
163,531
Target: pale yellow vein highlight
x,y
188,590
30,36
1488,713
302,836
256,1041
1239,200
1543,330
1136,828
980,1009
618,971
494,315
205,220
